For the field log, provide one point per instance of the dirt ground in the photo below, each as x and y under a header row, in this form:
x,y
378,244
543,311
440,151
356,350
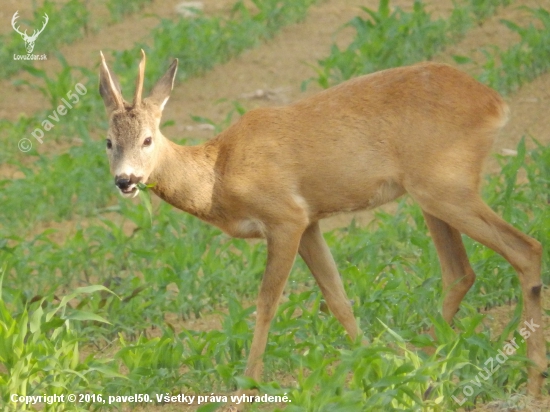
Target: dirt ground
x,y
272,73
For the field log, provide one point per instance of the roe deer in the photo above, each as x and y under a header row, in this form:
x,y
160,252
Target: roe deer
x,y
424,130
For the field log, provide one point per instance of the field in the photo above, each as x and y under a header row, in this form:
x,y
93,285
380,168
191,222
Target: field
x,y
104,300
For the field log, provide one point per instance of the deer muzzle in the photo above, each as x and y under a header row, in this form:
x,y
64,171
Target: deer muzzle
x,y
127,184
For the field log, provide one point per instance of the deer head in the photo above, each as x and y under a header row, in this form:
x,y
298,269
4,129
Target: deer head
x,y
134,139
29,40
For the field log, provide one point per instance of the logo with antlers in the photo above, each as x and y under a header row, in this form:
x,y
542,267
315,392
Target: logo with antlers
x,y
29,40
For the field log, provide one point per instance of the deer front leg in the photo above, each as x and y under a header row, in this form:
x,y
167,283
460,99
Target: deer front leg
x,y
282,247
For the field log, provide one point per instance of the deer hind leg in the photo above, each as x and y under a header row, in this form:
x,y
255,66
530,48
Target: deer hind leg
x,y
465,211
457,274
315,252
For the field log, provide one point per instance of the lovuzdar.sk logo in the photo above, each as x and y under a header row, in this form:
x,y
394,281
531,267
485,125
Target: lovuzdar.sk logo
x,y
29,39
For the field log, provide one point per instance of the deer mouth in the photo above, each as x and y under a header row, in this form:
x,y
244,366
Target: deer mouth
x,y
130,191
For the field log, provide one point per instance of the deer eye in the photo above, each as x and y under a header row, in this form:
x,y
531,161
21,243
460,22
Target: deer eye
x,y
109,144
147,142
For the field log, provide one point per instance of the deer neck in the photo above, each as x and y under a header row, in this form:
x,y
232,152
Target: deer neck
x,y
185,177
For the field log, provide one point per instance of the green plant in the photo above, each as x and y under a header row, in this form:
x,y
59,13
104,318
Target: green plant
x,y
482,9
396,38
385,39
207,41
85,166
120,8
40,351
506,70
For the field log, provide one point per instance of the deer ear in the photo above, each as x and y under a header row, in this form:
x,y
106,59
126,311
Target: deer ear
x,y
161,91
109,88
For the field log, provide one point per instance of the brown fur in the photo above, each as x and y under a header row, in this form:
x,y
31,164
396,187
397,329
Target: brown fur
x,y
423,130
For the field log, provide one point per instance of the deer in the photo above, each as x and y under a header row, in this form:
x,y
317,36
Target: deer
x,y
29,40
424,130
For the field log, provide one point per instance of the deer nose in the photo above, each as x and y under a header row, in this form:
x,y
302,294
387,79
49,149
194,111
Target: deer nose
x,y
127,182
122,182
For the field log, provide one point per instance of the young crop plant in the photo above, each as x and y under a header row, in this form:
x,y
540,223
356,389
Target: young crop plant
x,y
202,42
120,8
384,39
40,352
507,70
482,9
82,196
387,38
56,87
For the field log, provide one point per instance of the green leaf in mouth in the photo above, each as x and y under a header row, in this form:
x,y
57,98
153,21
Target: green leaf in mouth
x,y
145,197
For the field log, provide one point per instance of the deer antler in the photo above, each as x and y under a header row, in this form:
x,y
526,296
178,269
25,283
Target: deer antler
x,y
14,18
139,81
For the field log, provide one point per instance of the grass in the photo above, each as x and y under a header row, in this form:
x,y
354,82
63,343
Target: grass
x,y
60,335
